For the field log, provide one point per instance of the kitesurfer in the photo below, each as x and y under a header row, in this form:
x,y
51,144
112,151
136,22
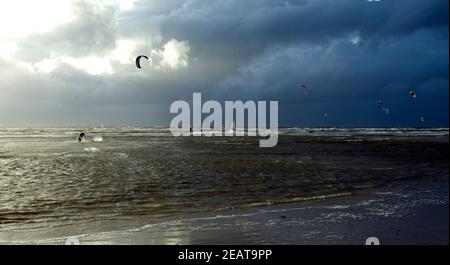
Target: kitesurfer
x,y
81,137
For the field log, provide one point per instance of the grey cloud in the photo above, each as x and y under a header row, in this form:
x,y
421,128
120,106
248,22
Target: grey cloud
x,y
93,32
226,35
250,50
343,72
251,26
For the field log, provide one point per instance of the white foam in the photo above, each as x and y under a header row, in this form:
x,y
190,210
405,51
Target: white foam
x,y
90,149
97,139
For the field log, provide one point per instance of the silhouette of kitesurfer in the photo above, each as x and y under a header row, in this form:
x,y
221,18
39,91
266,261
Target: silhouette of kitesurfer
x,y
81,137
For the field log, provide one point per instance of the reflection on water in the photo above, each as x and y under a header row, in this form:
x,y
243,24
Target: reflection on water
x,y
47,178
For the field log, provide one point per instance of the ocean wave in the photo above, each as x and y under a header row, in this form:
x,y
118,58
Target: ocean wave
x,y
91,149
58,132
348,132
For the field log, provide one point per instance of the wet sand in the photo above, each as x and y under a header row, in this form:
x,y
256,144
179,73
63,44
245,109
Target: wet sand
x,y
404,215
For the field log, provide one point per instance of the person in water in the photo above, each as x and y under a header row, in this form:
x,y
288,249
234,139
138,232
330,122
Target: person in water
x,y
81,137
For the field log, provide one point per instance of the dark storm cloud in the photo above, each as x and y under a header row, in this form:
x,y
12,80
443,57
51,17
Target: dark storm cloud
x,y
242,29
228,35
346,70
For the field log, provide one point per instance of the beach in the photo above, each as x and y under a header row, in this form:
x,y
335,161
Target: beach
x,y
143,186
394,216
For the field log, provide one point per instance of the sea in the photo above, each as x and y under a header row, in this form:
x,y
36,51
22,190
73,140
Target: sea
x,y
143,175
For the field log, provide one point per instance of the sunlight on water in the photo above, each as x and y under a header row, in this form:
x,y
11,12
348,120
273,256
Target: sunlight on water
x,y
47,177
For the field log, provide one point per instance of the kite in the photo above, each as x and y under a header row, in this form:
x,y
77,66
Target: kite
x,y
306,89
138,60
380,106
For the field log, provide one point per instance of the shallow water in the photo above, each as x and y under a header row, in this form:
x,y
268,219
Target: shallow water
x,y
47,178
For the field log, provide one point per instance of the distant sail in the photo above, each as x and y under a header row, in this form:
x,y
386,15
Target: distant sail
x,y
232,127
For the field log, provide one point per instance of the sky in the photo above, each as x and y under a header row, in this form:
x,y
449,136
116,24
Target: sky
x,y
71,62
